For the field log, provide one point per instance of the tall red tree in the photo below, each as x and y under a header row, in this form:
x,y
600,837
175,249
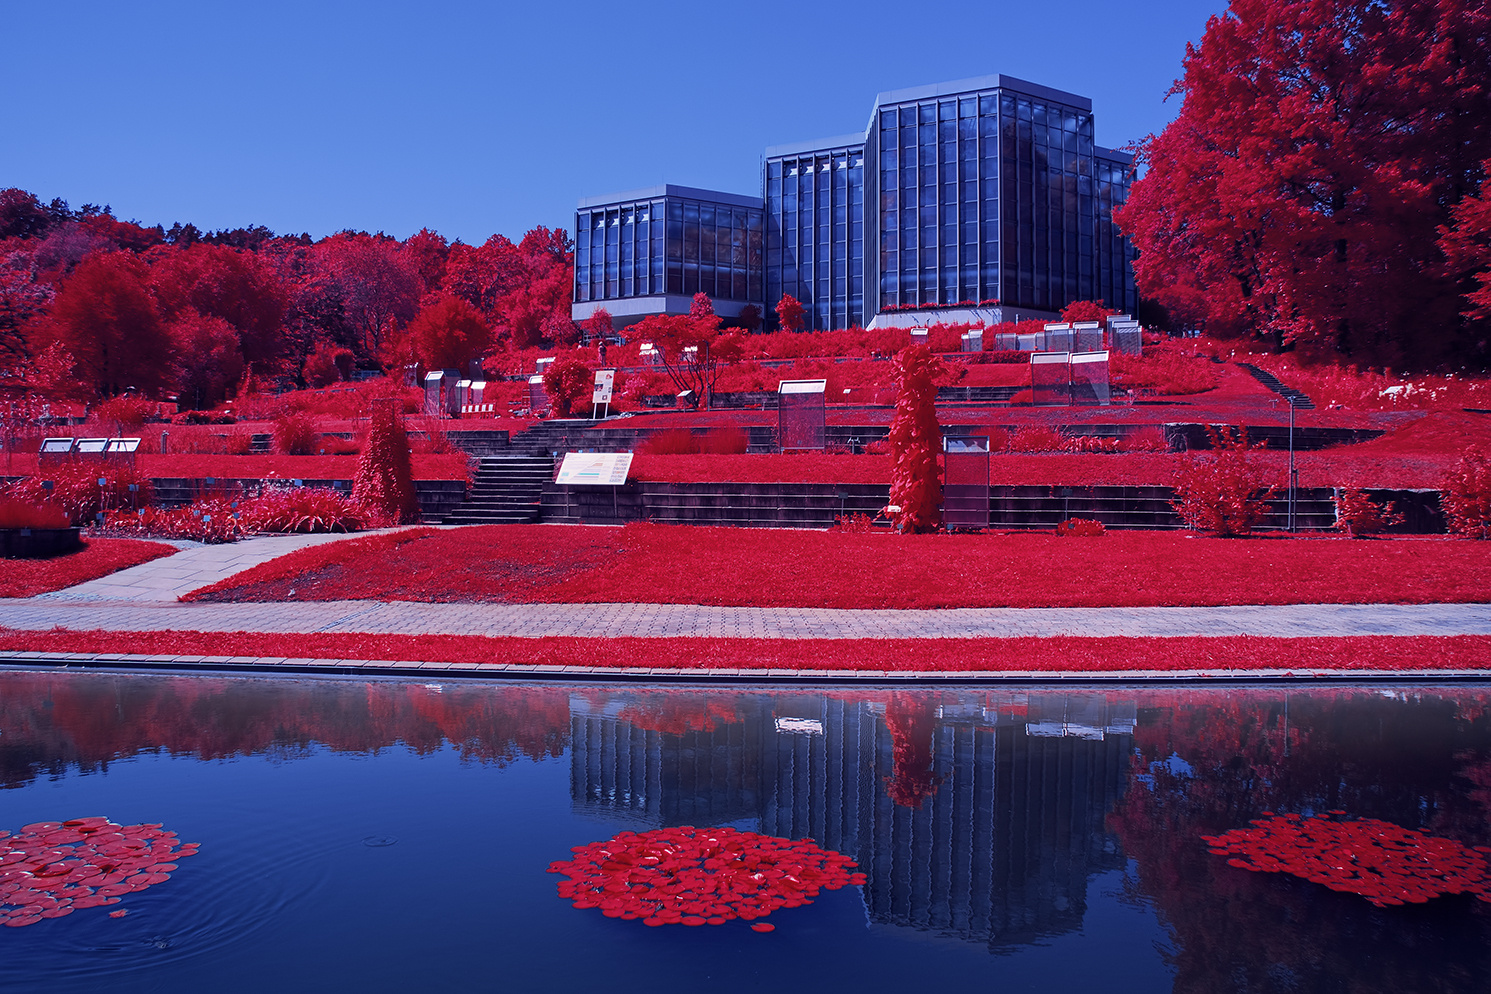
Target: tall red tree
x,y
916,441
1298,194
216,281
448,334
694,347
105,318
790,313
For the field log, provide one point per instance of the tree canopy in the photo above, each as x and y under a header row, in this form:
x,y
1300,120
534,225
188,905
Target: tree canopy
x,y
1307,191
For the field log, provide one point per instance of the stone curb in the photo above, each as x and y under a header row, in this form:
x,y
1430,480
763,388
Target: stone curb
x,y
510,671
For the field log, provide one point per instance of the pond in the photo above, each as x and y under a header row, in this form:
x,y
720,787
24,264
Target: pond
x,y
391,836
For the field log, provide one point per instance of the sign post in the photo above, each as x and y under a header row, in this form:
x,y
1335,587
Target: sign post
x,y
600,397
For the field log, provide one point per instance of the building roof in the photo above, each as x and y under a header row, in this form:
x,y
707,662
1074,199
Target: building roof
x,y
820,145
670,190
991,82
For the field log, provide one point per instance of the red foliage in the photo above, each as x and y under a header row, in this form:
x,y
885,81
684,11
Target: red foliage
x,y
1223,492
1167,370
1381,861
295,435
1357,515
1300,192
689,876
916,443
1086,310
789,568
30,514
448,333
1466,495
384,484
790,313
53,868
568,382
1060,654
106,320
76,491
912,723
1080,528
98,557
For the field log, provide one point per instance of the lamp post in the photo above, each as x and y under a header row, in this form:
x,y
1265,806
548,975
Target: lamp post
x,y
1293,473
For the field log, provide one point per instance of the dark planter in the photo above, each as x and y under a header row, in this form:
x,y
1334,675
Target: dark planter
x,y
38,543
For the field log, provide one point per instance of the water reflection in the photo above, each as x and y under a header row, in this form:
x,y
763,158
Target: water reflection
x,y
972,815
983,816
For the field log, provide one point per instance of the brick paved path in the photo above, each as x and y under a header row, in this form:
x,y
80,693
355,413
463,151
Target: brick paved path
x,y
604,620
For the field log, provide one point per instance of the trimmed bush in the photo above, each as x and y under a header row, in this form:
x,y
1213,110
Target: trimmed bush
x,y
384,483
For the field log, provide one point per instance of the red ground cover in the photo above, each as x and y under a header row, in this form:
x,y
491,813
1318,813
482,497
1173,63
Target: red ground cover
x,y
646,563
98,557
1059,654
188,465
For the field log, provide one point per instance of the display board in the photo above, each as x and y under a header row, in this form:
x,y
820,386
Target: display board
x,y
1089,378
802,414
594,469
538,397
1050,379
605,379
965,488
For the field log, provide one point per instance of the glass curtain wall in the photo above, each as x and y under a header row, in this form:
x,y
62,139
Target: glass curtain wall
x,y
815,206
1049,224
1115,255
669,245
938,189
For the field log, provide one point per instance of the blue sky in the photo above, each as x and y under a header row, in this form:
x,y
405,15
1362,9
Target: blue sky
x,y
474,118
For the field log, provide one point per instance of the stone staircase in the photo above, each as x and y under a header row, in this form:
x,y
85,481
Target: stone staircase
x,y
1300,399
505,490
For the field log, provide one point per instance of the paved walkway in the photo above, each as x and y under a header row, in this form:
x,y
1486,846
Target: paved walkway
x,y
684,620
196,565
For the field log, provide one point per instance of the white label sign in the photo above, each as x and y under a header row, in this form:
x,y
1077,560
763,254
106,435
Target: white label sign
x,y
596,469
604,380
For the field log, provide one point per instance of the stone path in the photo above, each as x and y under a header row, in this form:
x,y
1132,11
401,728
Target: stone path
x,y
196,565
684,620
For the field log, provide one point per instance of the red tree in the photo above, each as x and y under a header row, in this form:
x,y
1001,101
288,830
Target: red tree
x,y
915,441
789,313
448,334
1298,194
379,286
1467,247
236,286
208,360
105,318
568,381
384,481
694,347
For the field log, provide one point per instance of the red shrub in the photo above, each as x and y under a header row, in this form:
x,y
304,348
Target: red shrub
x,y
728,440
1080,528
295,435
74,489
302,509
669,442
1036,438
383,483
1223,492
1356,515
1150,438
1167,370
124,414
1466,495
25,514
568,382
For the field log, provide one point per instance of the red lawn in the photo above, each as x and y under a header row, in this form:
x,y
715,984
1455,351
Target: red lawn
x,y
1061,654
192,465
646,563
98,557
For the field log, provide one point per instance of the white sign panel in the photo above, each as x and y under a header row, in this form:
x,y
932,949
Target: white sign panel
x,y
595,469
604,380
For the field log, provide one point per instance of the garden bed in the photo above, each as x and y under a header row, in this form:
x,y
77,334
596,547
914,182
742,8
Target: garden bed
x,y
98,557
1061,654
789,568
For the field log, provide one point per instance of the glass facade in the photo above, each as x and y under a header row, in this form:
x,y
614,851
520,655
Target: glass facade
x,y
669,244
978,190
1115,254
815,221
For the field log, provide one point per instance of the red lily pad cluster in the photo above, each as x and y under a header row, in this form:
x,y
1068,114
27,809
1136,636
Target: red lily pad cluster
x,y
699,876
1381,861
53,868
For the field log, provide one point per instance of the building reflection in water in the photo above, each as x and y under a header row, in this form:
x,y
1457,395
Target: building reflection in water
x,y
991,836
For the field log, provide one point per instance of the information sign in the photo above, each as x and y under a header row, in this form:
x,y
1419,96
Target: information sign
x,y
595,469
604,380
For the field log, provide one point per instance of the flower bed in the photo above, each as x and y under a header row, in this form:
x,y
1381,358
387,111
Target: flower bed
x,y
1045,655
644,563
98,557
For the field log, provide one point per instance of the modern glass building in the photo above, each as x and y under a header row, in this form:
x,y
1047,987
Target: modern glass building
x,y
986,192
815,229
649,251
